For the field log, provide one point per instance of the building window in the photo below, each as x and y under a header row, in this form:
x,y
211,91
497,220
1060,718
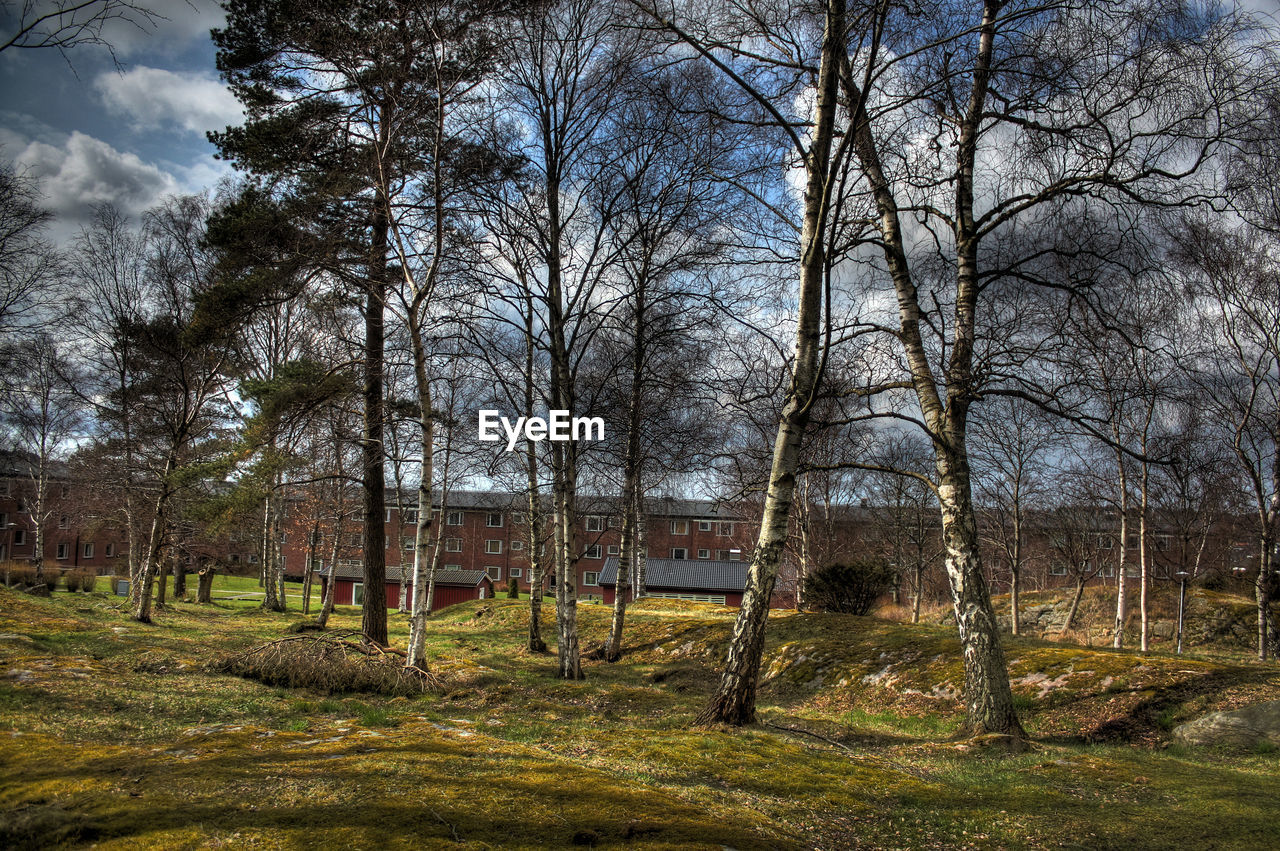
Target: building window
x,y
591,578
704,525
357,594
110,551
88,550
592,551
704,554
410,543
519,518
454,518
515,572
517,544
493,546
4,520
728,555
614,550
614,521
453,545
64,522
453,567
494,573
253,558
679,552
726,530
595,523
62,550
388,515
19,537
493,519
1058,569
679,527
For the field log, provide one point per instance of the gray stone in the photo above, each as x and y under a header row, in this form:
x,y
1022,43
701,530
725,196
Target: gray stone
x,y
1242,728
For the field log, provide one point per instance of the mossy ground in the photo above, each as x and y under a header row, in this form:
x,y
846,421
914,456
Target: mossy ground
x,y
112,733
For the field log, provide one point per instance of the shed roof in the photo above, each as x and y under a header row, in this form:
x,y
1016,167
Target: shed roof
x,y
465,578
679,573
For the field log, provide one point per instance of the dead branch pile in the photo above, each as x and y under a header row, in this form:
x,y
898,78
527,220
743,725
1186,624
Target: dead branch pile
x,y
333,663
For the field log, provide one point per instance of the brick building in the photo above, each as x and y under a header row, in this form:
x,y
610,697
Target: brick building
x,y
488,531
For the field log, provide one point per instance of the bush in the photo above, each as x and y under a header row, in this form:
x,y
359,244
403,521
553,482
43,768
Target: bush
x,y
513,589
81,579
850,588
21,575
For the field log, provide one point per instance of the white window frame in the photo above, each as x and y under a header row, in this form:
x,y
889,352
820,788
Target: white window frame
x,y
109,551
684,553
453,567
453,545
453,518
706,554
517,544
64,521
493,546
488,520
515,572
357,593
679,527
614,550
88,549
494,572
592,551
595,523
704,525
1057,569
19,537
63,549
591,578
725,530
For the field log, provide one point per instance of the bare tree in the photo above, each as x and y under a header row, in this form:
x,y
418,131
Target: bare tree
x,y
64,24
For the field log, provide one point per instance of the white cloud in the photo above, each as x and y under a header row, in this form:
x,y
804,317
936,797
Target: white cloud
x,y
83,172
152,98
181,23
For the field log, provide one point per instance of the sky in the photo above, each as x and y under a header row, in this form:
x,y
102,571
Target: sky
x,y
129,130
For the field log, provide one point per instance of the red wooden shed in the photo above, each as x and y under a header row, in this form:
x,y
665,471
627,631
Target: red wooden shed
x,y
452,586
684,579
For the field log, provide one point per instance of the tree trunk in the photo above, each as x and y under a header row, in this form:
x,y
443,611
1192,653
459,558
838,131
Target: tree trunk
x,y
204,585
308,570
1015,572
267,575
163,585
179,580
1144,567
535,643
734,701
917,590
1260,588
1122,599
1075,603
142,611
422,582
626,555
987,696
373,622
326,601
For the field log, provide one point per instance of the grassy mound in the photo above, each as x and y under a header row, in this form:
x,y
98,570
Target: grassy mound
x,y
330,664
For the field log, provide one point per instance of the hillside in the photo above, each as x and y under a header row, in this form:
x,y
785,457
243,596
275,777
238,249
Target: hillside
x,y
115,734
1213,621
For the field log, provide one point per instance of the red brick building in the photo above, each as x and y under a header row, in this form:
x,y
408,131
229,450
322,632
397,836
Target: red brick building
x,y
488,531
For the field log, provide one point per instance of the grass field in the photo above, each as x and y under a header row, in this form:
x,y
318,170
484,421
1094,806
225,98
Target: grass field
x,y
113,734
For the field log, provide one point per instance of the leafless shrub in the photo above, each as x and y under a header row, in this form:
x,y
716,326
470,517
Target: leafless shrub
x,y
335,663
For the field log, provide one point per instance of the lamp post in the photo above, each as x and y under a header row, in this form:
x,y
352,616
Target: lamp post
x,y
1182,603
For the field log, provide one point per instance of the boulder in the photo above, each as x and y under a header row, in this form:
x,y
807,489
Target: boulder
x,y
1241,728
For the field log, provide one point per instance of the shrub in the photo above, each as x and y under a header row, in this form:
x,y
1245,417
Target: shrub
x,y
81,579
21,575
850,588
513,589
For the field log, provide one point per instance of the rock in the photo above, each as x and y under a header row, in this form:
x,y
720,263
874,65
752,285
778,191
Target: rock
x,y
1241,728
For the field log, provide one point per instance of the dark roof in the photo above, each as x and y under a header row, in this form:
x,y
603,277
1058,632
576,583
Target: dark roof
x,y
683,573
467,578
